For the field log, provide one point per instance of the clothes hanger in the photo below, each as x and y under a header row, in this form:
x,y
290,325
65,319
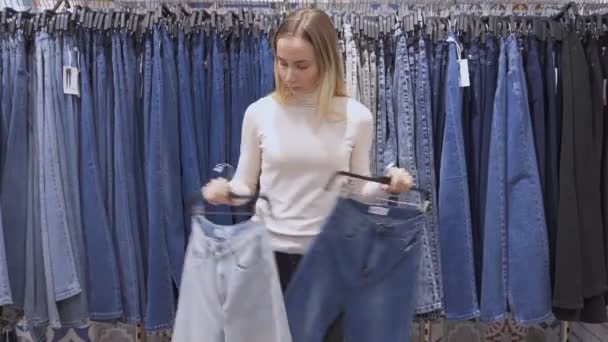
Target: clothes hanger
x,y
425,195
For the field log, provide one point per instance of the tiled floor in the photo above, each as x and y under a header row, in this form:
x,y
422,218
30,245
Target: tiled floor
x,y
505,331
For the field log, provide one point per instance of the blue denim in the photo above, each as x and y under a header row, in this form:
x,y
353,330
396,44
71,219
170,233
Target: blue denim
x,y
104,294
362,265
72,311
438,106
403,107
103,103
53,252
236,112
13,198
200,70
515,236
454,206
200,103
190,174
267,66
7,87
430,289
381,117
535,78
165,215
127,220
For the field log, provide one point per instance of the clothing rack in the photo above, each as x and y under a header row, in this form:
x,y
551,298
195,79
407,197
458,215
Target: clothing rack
x,y
411,12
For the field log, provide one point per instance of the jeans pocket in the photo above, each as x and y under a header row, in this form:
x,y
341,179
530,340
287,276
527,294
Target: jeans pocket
x,y
409,241
249,256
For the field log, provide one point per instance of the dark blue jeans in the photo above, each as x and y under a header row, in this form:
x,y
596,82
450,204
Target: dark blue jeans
x,y
166,240
104,291
190,174
536,98
127,219
13,198
363,265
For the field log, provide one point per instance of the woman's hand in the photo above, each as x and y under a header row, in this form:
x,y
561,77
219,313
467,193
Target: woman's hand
x,y
401,180
217,191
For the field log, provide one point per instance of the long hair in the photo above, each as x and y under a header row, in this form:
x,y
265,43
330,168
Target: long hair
x,y
316,27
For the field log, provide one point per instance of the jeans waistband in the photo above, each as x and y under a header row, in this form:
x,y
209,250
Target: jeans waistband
x,y
352,214
220,240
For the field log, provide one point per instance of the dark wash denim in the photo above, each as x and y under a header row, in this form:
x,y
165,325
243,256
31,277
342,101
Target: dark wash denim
x,y
127,219
362,265
438,102
515,235
454,206
165,216
104,294
190,173
536,98
15,146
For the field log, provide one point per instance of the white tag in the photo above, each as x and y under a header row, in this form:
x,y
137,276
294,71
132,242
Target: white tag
x,y
70,81
464,72
556,79
378,211
604,92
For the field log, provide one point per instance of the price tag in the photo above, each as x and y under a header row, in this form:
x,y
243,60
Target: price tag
x,y
71,85
464,72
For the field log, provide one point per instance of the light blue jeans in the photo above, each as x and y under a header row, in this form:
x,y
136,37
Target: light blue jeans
x,y
515,232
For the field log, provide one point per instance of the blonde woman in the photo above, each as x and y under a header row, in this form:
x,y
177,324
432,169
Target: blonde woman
x,y
295,139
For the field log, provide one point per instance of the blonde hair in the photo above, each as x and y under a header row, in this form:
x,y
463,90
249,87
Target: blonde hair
x,y
316,27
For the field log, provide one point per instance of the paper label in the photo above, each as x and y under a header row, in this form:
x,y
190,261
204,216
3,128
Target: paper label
x,y
70,81
378,211
464,72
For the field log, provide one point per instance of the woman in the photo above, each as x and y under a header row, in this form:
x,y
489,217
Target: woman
x,y
295,139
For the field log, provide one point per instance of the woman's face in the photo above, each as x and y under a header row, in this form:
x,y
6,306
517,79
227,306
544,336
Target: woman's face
x,y
297,65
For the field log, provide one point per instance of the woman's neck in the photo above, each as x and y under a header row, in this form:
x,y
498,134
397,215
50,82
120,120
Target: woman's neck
x,y
308,99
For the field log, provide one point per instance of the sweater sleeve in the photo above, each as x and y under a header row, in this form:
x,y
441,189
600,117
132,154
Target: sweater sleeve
x,y
360,156
246,177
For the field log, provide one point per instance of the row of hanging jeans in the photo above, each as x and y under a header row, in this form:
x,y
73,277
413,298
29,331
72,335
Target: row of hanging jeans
x,y
475,148
93,184
392,77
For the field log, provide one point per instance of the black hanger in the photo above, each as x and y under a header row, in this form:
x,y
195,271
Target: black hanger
x,y
193,200
426,196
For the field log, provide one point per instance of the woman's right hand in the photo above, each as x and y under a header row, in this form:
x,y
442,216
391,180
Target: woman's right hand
x,y
217,191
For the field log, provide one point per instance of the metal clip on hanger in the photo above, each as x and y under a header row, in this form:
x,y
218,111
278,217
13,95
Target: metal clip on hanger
x,y
424,195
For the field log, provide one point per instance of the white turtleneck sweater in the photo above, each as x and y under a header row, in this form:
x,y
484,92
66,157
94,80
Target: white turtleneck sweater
x,y
293,159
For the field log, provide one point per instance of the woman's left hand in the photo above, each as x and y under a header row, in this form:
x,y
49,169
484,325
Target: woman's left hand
x,y
401,180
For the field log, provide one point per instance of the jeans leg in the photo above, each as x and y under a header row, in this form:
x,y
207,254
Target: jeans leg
x,y
160,306
199,86
14,197
493,287
104,290
191,181
529,293
454,210
430,291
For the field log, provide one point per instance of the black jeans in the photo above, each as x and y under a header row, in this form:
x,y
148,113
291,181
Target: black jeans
x,y
287,265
